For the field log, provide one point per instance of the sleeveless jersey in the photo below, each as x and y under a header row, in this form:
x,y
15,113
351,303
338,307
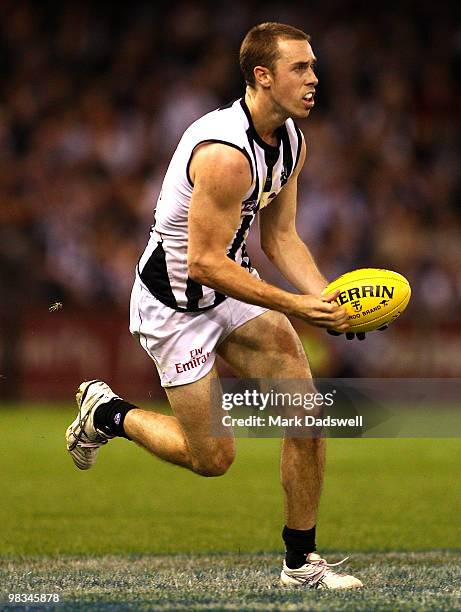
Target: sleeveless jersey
x,y
163,265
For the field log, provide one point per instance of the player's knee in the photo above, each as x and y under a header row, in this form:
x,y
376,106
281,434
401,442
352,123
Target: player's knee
x,y
215,464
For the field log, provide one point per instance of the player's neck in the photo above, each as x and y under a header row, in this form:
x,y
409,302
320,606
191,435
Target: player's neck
x,y
265,119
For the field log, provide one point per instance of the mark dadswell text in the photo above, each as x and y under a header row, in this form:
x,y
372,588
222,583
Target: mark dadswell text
x,y
296,421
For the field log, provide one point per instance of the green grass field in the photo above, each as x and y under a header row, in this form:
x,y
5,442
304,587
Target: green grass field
x,y
136,533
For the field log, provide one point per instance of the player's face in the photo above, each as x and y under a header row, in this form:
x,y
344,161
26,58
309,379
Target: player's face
x,y
294,80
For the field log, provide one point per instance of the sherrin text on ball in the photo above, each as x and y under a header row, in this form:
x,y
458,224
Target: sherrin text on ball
x,y
373,297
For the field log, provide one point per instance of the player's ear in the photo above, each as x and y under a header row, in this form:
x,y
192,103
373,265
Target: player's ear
x,y
262,76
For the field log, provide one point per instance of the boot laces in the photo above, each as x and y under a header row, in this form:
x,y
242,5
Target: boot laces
x,y
317,569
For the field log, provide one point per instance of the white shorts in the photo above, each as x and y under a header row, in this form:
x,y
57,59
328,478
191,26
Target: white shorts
x,y
183,344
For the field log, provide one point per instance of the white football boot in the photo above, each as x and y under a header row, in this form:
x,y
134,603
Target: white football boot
x,y
82,438
316,573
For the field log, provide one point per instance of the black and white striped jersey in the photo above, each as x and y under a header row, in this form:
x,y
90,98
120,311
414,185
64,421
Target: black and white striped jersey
x,y
163,265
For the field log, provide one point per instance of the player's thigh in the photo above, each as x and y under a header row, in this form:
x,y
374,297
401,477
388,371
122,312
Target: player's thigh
x,y
192,404
266,347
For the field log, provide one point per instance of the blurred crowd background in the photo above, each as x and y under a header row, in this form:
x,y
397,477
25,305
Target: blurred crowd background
x,y
95,96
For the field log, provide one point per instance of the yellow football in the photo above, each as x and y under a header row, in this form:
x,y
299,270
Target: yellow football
x,y
371,296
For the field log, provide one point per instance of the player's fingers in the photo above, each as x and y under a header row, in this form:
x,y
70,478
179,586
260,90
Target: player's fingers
x,y
329,324
330,319
333,323
330,297
330,307
339,316
343,327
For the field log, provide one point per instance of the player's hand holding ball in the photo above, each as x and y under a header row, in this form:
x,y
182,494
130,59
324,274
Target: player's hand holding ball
x,y
322,311
372,297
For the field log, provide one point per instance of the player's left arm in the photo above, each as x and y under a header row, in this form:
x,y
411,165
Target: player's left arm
x,y
280,240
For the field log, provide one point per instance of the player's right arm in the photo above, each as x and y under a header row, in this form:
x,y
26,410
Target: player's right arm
x,y
221,176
